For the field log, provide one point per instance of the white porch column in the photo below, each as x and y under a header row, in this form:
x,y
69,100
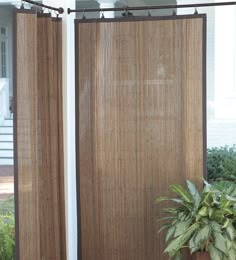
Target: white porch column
x,y
107,4
69,124
225,55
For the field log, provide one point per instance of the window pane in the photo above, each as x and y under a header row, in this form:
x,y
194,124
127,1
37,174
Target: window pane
x,y
3,30
3,60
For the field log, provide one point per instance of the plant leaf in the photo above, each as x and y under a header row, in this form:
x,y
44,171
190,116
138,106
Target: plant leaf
x,y
192,245
202,235
215,226
214,253
211,211
166,218
178,257
181,192
176,244
170,233
164,226
170,210
227,222
220,242
203,212
181,227
231,232
160,199
194,193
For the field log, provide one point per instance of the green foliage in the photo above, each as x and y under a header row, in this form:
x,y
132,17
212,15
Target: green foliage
x,y
228,187
7,229
201,221
7,206
7,240
221,163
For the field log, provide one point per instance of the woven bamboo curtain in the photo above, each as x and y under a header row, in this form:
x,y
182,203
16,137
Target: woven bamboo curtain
x,y
140,128
39,137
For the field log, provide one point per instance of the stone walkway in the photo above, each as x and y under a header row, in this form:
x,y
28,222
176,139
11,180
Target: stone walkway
x,y
6,181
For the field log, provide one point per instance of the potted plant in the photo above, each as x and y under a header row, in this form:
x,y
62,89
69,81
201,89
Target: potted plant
x,y
204,222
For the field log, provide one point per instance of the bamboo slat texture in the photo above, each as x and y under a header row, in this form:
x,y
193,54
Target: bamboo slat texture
x,y
139,129
39,142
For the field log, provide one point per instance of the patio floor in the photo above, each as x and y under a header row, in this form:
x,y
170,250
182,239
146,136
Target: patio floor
x,y
6,181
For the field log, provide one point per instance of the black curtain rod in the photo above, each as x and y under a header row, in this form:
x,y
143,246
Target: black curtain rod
x,y
60,10
137,8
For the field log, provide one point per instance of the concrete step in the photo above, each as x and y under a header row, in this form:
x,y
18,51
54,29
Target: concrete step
x,y
6,145
6,153
8,122
6,161
6,137
6,129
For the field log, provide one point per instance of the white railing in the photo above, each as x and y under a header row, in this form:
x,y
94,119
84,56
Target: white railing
x,y
4,99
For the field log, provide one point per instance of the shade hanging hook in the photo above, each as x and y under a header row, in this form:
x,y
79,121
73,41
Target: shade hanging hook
x,y
149,12
56,13
196,12
84,17
22,4
49,11
102,16
126,11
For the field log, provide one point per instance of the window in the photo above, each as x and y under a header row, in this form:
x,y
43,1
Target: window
x,y
3,31
3,51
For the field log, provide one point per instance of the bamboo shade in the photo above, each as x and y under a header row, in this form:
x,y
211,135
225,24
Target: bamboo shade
x,y
140,127
39,137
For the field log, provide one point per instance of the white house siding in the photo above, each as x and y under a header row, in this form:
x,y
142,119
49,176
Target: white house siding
x,y
221,133
6,18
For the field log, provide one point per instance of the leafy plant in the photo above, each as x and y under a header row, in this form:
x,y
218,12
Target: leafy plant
x,y
201,221
7,234
7,206
226,187
221,163
7,229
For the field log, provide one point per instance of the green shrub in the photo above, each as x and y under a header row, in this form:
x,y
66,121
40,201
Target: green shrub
x,y
7,237
221,163
7,229
7,206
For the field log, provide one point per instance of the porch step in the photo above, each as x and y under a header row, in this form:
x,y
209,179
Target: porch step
x,y
6,145
6,161
8,122
6,153
6,142
6,137
6,129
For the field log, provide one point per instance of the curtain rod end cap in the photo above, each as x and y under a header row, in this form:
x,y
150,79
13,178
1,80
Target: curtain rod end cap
x,y
61,10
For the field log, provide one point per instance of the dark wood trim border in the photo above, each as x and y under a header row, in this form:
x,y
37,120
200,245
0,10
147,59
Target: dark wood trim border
x,y
16,181
79,237
139,18
204,95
